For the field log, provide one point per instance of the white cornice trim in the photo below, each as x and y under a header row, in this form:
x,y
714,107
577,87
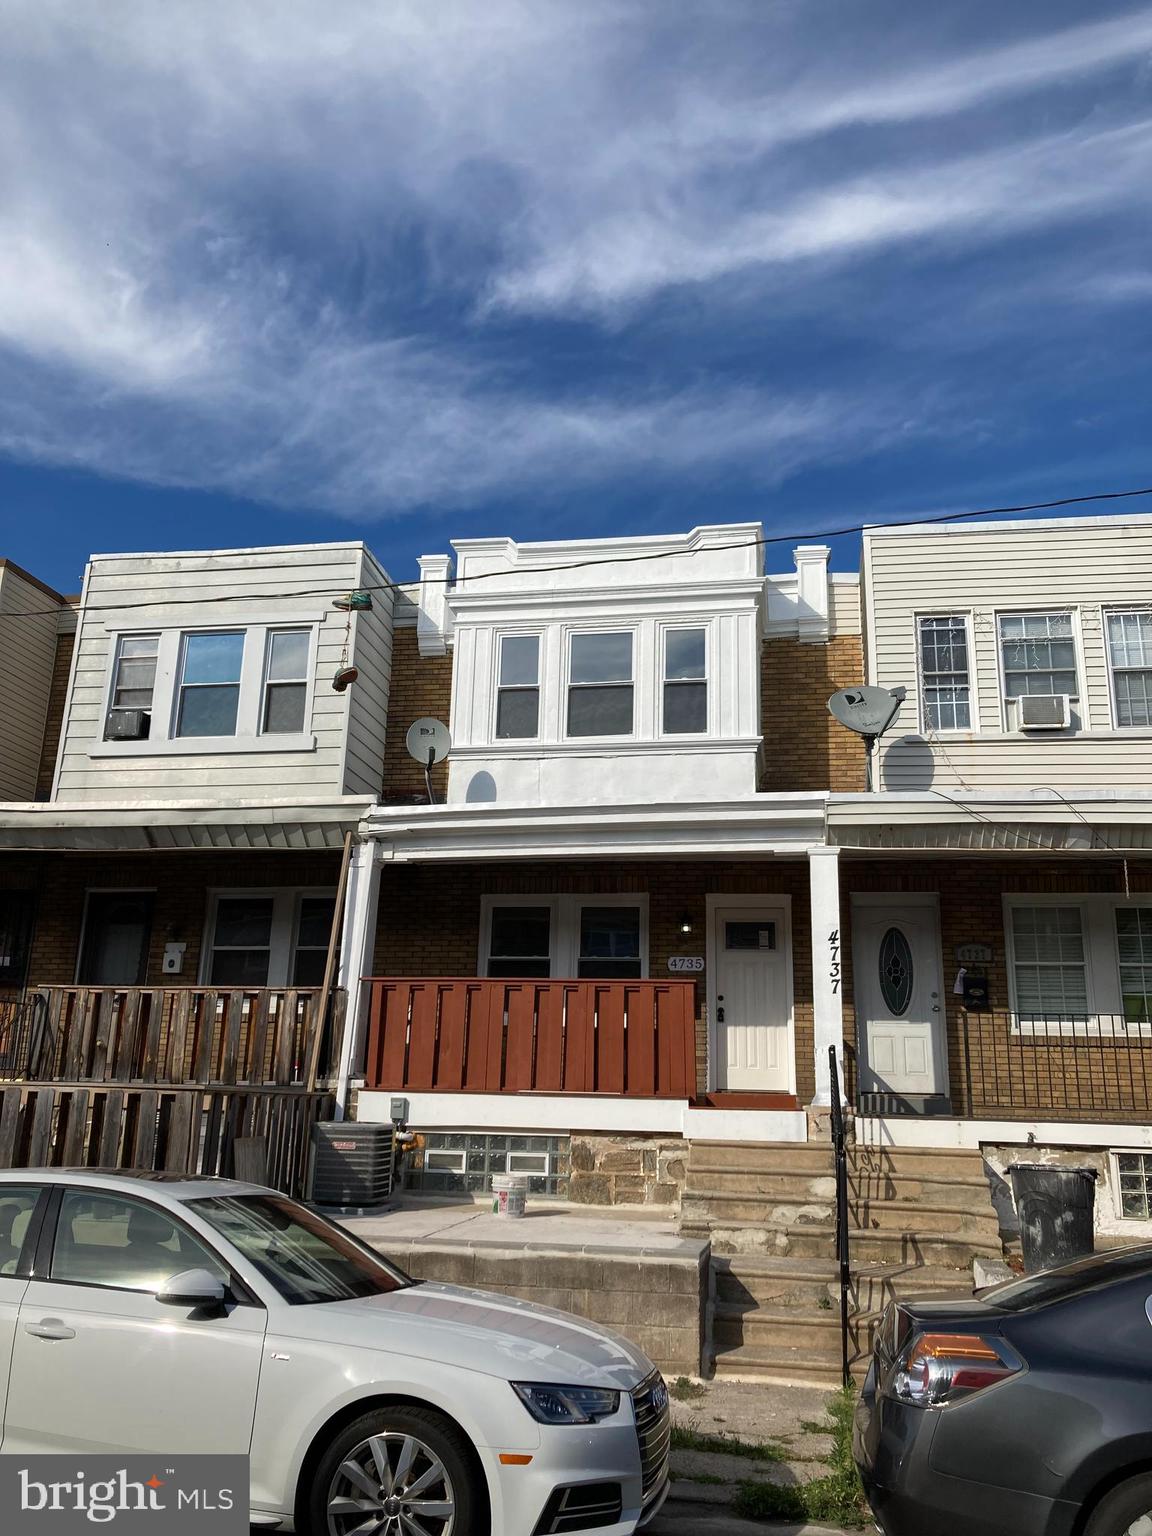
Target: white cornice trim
x,y
610,747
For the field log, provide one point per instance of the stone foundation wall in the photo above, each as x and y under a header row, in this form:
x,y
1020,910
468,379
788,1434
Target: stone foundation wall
x,y
627,1170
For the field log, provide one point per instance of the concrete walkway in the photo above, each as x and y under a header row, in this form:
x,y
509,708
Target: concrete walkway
x,y
682,1519
555,1225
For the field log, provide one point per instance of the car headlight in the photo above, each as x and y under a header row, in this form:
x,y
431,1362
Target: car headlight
x,y
550,1404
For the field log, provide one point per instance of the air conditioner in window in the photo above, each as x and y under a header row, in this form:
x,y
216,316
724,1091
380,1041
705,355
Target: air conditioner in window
x,y
1043,712
127,725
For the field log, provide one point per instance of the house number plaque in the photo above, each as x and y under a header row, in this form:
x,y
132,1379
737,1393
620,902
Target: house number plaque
x,y
682,964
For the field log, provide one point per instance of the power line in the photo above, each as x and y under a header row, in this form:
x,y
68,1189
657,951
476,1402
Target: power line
x,y
662,554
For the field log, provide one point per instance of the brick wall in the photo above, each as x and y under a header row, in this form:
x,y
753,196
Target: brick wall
x,y
181,882
419,686
804,748
57,694
430,919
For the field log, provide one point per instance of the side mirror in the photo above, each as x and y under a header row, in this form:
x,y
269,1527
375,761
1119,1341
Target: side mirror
x,y
192,1288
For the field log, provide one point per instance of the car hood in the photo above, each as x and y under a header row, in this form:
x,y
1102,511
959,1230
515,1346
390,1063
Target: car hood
x,y
481,1331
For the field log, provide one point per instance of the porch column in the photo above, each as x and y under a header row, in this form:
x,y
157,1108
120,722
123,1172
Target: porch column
x,y
359,940
827,965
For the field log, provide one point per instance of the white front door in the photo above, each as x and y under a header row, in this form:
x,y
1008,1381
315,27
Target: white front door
x,y
899,1001
752,1002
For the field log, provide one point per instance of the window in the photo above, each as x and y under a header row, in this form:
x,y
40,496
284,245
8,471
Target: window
x,y
285,681
17,1203
1134,951
117,932
209,691
518,690
313,933
125,1244
1134,1176
609,942
455,1161
750,935
685,682
944,679
268,938
1130,655
1050,962
133,679
1039,654
600,685
242,945
521,941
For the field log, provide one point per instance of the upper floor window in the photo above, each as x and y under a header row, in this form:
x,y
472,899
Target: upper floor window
x,y
1130,657
685,682
209,695
286,681
1039,654
600,685
945,685
518,687
133,683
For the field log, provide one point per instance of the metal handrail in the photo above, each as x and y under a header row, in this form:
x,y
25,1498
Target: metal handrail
x,y
843,1254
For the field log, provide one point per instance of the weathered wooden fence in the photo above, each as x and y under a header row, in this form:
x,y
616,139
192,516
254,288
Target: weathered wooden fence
x,y
458,1035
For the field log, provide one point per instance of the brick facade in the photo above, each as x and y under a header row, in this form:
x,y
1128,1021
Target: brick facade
x,y
57,695
419,686
429,921
804,748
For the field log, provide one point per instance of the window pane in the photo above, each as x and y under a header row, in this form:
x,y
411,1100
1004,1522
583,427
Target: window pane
x,y
521,931
611,932
1039,654
684,653
284,711
208,711
213,658
17,1202
140,673
316,914
104,1240
749,935
1051,974
1134,698
519,659
600,711
308,967
602,658
685,707
139,645
944,670
517,713
244,920
288,654
240,968
1134,946
500,968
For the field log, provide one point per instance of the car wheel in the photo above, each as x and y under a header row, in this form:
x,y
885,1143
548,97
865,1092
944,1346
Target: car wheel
x,y
1126,1511
397,1472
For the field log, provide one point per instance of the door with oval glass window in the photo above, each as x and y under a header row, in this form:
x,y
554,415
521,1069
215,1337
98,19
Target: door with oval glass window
x,y
899,1000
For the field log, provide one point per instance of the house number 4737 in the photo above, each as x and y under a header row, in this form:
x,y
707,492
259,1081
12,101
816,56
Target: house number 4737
x,y
834,959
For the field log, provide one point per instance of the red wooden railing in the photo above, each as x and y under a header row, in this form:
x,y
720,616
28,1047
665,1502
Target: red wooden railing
x,y
457,1035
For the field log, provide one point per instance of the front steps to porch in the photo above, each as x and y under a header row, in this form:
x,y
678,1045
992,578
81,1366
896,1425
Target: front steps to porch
x,y
917,1217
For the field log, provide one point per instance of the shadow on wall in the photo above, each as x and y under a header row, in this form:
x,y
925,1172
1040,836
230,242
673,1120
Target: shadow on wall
x,y
908,764
481,788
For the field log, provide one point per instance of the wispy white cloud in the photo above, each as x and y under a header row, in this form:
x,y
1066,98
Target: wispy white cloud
x,y
282,250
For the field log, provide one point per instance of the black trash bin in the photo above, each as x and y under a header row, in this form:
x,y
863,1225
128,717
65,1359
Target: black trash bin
x,y
1055,1206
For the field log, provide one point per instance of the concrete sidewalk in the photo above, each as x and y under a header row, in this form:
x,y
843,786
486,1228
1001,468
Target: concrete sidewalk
x,y
555,1225
680,1519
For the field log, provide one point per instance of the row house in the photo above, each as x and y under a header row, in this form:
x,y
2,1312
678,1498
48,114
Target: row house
x,y
649,890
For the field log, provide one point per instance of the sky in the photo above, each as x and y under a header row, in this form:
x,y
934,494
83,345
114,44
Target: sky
x,y
410,272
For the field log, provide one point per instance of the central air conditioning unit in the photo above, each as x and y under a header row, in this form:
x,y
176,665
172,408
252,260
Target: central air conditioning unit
x,y
1043,712
127,725
353,1164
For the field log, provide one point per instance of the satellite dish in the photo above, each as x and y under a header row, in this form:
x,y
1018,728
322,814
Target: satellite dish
x,y
428,741
867,711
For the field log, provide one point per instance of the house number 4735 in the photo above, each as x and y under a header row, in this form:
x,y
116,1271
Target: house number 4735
x,y
834,959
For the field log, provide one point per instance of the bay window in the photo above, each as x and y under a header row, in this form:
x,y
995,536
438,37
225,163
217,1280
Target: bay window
x,y
518,688
685,682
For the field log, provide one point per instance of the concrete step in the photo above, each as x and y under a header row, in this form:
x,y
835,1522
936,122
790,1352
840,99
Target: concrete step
x,y
814,1156
792,1366
748,1280
939,1162
942,1215
817,1333
721,1210
817,1240
790,1184
912,1215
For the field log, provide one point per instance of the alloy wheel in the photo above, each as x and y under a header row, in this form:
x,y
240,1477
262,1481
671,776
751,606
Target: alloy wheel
x,y
391,1485
1141,1527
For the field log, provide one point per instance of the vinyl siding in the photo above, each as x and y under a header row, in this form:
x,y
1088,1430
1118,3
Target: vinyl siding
x,y
232,587
844,616
1085,567
27,656
372,654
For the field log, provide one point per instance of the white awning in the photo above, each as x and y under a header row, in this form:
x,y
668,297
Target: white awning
x,y
1078,821
136,826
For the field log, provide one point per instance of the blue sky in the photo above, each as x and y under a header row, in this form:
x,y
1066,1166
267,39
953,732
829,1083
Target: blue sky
x,y
412,271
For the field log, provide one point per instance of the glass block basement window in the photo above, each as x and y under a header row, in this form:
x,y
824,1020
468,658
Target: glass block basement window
x,y
1135,1174
456,1162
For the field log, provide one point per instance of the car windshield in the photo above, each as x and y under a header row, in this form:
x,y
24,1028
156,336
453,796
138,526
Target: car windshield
x,y
307,1258
1087,1274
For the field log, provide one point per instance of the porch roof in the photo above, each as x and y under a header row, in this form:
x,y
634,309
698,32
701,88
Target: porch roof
x,y
1043,820
132,826
763,825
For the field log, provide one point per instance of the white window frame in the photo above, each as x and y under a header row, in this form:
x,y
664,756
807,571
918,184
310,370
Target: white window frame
x,y
250,736
572,632
1007,711
1114,713
1105,1011
498,638
663,630
1114,1155
564,930
286,900
973,725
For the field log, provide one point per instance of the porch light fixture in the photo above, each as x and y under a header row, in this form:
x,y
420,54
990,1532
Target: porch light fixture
x,y
685,923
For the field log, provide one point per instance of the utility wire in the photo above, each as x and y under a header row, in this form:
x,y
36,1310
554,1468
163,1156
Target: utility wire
x,y
577,565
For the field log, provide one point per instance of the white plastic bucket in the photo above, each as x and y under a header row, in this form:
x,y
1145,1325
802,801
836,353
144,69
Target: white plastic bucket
x,y
508,1194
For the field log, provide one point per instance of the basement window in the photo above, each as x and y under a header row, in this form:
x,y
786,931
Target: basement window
x,y
1134,1184
457,1162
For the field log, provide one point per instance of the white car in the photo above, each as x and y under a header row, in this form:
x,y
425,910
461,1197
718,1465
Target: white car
x,y
150,1312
